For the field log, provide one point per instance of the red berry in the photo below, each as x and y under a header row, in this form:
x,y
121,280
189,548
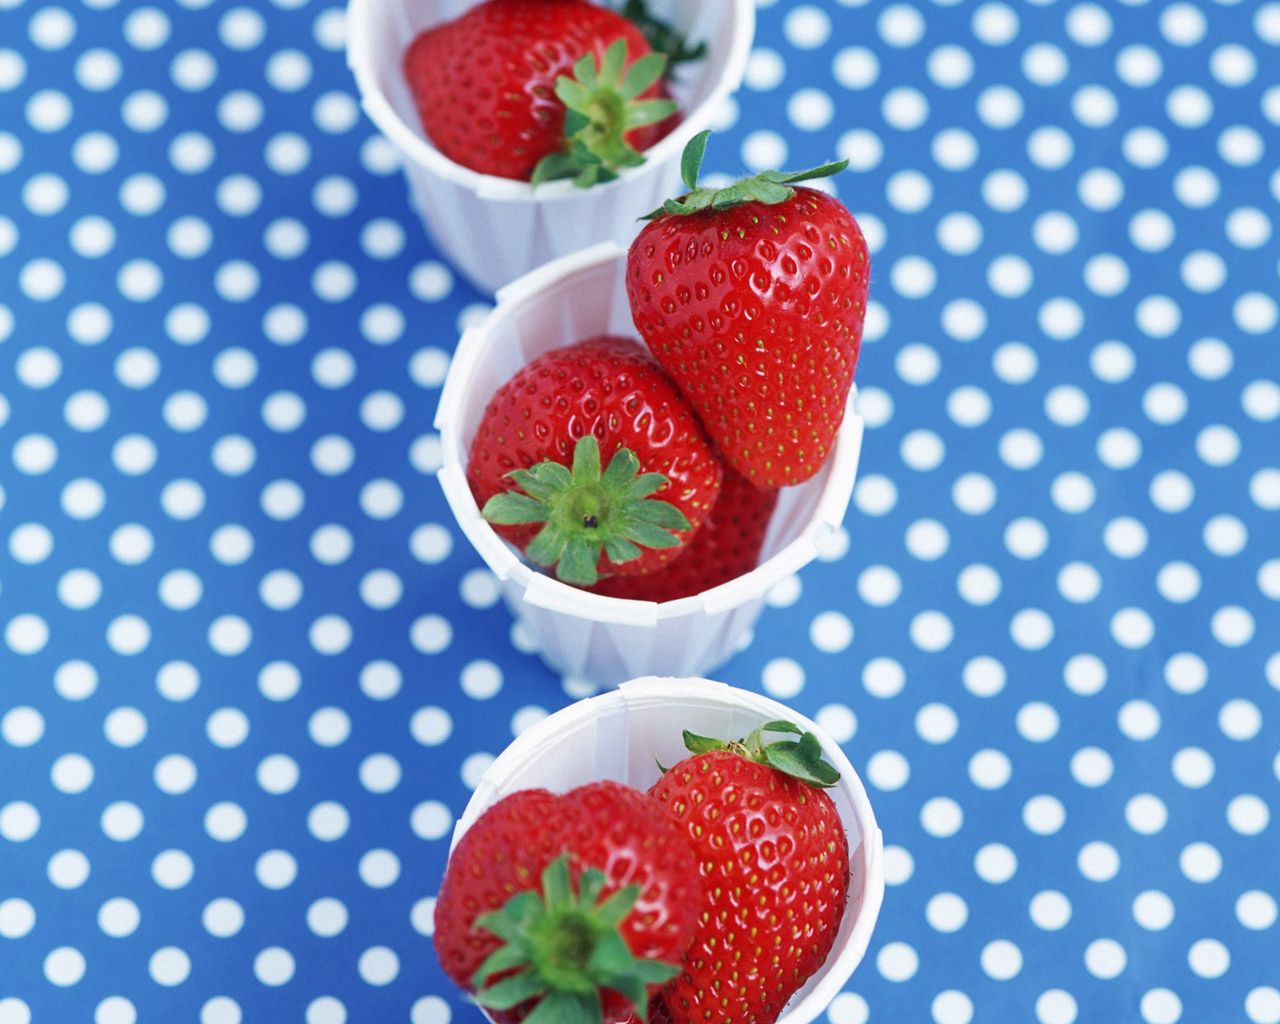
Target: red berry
x,y
485,83
753,298
774,862
604,827
613,390
726,547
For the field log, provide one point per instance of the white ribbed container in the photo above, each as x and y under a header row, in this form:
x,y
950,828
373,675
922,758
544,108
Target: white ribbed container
x,y
622,734
605,639
495,229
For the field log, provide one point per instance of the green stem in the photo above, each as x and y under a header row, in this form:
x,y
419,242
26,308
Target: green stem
x,y
768,187
588,513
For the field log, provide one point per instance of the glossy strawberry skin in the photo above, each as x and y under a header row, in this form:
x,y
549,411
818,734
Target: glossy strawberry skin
x,y
756,312
774,861
604,825
726,547
484,84
614,389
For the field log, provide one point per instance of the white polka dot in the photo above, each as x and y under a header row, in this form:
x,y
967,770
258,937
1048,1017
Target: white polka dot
x,y
1146,814
327,917
783,678
1139,720
379,965
278,773
172,869
1044,815
1193,767
119,917
898,865
1092,767
1050,910
1240,719
810,110
122,821
1255,313
276,869
838,720
223,918
897,961
999,106
1262,1004
1001,959
959,233
990,769
1098,861
941,816
476,765
1153,910
1032,629
883,678
1256,910
1105,958
225,822
1094,106
1232,626
1101,189
178,681
125,727
64,966
230,635
431,820
237,281
379,869
984,676
1200,862
431,726
274,966
175,774
946,912
1209,958
227,728
950,66
995,863
888,770
221,1010
1248,815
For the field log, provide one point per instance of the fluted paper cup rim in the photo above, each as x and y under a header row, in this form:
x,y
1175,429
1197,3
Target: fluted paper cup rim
x,y
540,739
413,143
544,591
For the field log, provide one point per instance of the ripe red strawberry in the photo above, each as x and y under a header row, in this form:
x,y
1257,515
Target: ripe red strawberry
x,y
605,397
727,546
492,88
774,861
567,909
752,298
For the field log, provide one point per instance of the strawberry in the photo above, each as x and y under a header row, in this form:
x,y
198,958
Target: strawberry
x,y
567,909
752,298
535,463
494,92
774,861
726,547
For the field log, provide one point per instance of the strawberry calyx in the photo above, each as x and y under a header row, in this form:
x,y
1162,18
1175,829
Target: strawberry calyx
x,y
801,759
663,37
602,106
588,512
562,947
768,187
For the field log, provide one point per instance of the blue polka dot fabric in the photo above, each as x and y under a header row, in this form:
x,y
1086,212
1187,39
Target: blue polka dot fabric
x,y
250,670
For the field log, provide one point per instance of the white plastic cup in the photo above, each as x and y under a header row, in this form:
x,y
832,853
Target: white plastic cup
x,y
495,229
604,639
621,735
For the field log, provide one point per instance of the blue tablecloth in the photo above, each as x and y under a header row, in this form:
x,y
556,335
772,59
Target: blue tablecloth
x,y
249,668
